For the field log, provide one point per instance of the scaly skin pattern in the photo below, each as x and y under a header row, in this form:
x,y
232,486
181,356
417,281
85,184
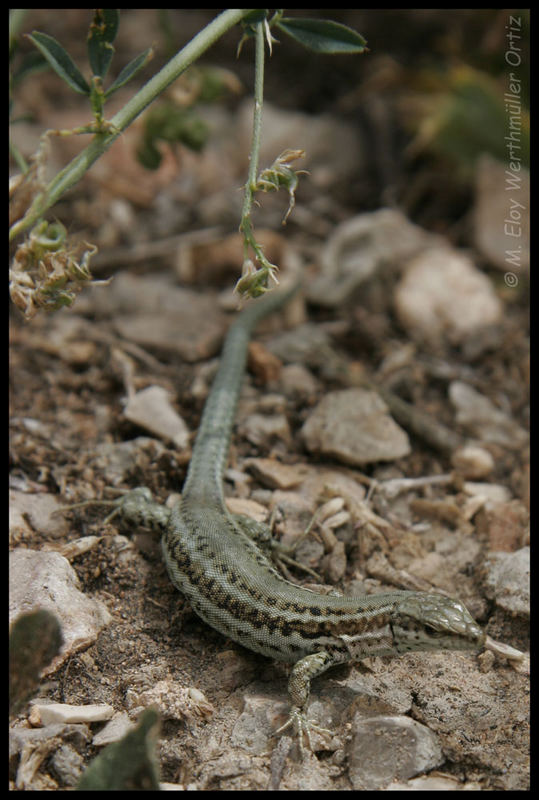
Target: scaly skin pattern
x,y
216,561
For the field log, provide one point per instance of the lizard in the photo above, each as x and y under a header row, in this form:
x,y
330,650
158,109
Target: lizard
x,y
219,562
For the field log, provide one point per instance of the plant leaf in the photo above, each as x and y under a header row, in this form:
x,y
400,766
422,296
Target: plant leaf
x,y
130,70
129,764
34,640
323,35
60,61
102,33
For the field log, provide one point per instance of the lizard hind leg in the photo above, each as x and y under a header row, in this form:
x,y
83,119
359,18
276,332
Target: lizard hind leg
x,y
261,534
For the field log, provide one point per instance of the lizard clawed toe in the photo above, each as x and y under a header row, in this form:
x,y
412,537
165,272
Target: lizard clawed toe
x,y
302,727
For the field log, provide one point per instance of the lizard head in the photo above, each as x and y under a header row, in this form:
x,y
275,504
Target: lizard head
x,y
423,621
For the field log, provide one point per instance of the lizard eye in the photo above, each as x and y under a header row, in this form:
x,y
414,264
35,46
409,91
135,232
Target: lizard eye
x,y
430,629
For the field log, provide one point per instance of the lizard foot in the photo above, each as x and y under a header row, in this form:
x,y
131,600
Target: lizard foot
x,y
302,727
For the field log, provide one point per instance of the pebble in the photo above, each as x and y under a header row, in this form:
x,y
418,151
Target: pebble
x,y
483,419
50,713
152,410
473,462
385,748
444,297
354,427
508,581
40,579
495,232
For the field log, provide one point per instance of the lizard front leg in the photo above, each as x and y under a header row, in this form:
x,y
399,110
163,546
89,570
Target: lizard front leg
x,y
299,687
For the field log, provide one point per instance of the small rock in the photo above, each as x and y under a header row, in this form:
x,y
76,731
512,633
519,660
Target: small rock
x,y
239,480
159,315
67,765
35,511
385,748
507,526
358,247
434,783
265,366
271,403
297,511
247,507
265,429
40,579
75,547
473,462
173,701
275,475
502,219
50,713
116,459
298,382
29,776
336,563
508,581
306,344
118,726
172,787
151,409
483,420
20,737
493,493
338,520
329,509
444,296
354,427
321,482
253,728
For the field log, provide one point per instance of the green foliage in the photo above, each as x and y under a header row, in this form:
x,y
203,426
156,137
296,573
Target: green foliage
x,y
103,30
127,765
61,62
466,117
168,123
282,175
130,71
34,640
52,280
175,120
40,197
319,35
322,35
102,33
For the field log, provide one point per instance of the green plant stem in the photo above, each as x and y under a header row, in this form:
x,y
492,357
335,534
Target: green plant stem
x,y
257,128
75,170
16,19
252,283
18,157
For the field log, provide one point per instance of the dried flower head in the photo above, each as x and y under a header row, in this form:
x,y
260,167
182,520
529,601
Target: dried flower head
x,y
47,272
